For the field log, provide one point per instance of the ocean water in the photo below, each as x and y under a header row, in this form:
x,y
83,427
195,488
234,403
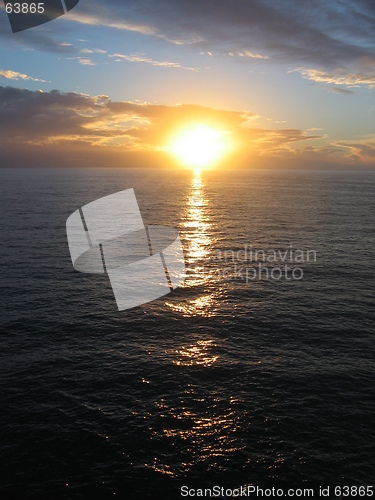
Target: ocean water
x,y
224,381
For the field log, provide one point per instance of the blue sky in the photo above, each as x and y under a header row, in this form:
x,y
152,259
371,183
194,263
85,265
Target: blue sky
x,y
300,74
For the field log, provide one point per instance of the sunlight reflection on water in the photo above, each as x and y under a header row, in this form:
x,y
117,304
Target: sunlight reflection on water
x,y
196,354
196,223
206,429
196,234
195,424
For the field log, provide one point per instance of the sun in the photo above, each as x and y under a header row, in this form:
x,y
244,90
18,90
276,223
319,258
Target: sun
x,y
199,146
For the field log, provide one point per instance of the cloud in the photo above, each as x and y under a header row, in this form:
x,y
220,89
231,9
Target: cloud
x,y
71,124
250,55
361,151
8,74
101,17
338,77
332,42
327,42
141,58
98,15
85,61
92,51
337,90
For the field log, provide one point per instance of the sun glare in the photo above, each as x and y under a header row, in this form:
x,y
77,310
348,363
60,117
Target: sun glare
x,y
200,146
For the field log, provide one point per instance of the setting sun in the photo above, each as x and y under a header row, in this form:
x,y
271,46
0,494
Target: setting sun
x,y
199,146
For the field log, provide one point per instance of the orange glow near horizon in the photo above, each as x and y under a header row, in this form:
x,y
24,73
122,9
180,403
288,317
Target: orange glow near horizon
x,y
199,146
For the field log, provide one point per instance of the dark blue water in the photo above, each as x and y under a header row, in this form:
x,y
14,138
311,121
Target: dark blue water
x,y
220,382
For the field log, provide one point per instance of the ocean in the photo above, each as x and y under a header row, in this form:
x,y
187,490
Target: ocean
x,y
237,378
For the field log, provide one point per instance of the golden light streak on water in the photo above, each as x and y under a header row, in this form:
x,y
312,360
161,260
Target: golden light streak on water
x,y
196,354
196,235
196,222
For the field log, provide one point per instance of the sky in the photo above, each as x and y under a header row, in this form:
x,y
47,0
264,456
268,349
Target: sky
x,y
289,84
